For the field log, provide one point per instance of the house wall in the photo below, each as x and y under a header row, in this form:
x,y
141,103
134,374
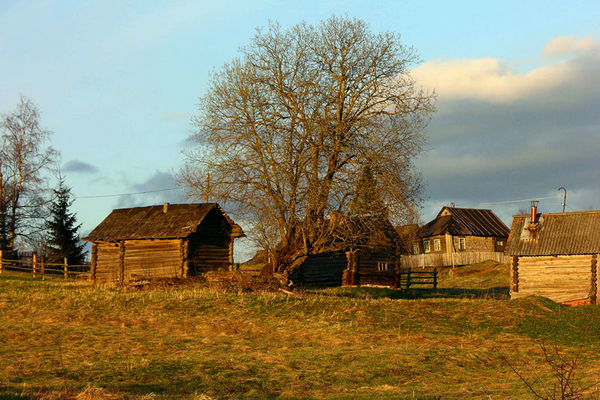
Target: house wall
x,y
320,270
145,259
375,268
106,269
137,259
211,247
443,244
568,278
472,243
476,243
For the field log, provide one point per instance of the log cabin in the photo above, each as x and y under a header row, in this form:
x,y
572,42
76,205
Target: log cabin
x,y
164,241
460,230
555,256
359,251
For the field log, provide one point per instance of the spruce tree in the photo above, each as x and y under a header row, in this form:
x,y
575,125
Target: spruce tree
x,y
63,239
368,198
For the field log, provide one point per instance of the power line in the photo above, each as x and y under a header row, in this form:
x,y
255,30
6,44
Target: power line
x,y
124,194
517,201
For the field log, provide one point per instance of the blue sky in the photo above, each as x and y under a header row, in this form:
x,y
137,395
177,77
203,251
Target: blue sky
x,y
117,81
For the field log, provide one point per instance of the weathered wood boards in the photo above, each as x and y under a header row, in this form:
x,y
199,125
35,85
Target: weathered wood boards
x,y
320,270
555,256
162,242
559,278
356,268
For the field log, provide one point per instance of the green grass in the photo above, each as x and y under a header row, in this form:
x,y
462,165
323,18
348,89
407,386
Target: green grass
x,y
66,338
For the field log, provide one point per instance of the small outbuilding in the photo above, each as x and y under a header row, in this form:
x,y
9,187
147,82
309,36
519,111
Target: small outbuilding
x,y
357,251
555,256
164,241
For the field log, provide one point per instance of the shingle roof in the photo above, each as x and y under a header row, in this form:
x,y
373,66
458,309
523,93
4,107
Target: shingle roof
x,y
465,221
152,223
559,234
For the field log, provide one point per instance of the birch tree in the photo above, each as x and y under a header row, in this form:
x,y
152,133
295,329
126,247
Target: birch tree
x,y
24,156
286,128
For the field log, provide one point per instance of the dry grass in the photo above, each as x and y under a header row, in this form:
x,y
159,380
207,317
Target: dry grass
x,y
76,341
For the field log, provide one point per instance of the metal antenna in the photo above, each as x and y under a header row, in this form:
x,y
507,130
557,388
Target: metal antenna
x,y
564,204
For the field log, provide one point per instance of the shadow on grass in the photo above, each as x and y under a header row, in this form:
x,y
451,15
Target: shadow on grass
x,y
12,393
493,293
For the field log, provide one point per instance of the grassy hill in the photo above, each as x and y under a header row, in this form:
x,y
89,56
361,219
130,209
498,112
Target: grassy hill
x,y
60,339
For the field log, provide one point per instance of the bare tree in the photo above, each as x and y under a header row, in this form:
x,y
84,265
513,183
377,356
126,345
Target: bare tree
x,y
286,129
565,382
24,156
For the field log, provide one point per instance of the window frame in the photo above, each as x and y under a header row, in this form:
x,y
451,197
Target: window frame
x,y
462,243
437,244
426,246
416,248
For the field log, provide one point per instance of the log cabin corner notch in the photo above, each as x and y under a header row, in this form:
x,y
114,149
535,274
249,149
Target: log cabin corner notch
x,y
164,241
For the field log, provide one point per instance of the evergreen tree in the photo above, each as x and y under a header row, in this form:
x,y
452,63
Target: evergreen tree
x,y
63,239
368,199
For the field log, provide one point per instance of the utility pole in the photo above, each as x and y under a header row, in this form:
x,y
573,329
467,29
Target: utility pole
x,y
564,203
206,187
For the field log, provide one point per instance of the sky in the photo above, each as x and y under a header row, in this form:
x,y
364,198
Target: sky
x,y
518,87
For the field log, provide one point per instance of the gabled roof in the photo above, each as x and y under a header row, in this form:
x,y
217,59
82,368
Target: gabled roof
x,y
558,234
151,222
465,221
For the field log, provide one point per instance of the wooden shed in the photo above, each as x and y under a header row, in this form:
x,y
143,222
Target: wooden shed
x,y
165,241
555,256
360,251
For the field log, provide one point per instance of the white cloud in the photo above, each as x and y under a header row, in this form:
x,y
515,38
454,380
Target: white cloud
x,y
488,79
492,80
569,45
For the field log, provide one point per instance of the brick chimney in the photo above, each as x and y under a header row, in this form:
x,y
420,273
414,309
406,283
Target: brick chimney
x,y
165,207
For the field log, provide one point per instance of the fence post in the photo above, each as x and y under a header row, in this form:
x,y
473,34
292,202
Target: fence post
x,y
408,279
34,262
1,262
42,266
435,272
66,267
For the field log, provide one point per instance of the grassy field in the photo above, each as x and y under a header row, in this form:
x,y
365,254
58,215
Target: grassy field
x,y
70,340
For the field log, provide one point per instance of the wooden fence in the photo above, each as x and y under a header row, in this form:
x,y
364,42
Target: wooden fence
x,y
38,268
404,279
454,259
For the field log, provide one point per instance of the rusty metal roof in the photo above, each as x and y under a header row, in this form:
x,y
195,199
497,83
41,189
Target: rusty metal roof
x,y
559,234
465,221
151,222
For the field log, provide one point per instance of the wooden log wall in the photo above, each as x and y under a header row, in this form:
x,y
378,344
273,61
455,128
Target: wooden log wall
x,y
514,274
320,270
122,262
210,248
594,280
559,278
376,269
93,262
107,262
146,259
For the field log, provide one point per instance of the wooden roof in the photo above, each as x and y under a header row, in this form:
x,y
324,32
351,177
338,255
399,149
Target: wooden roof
x,y
559,234
372,232
151,222
465,222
